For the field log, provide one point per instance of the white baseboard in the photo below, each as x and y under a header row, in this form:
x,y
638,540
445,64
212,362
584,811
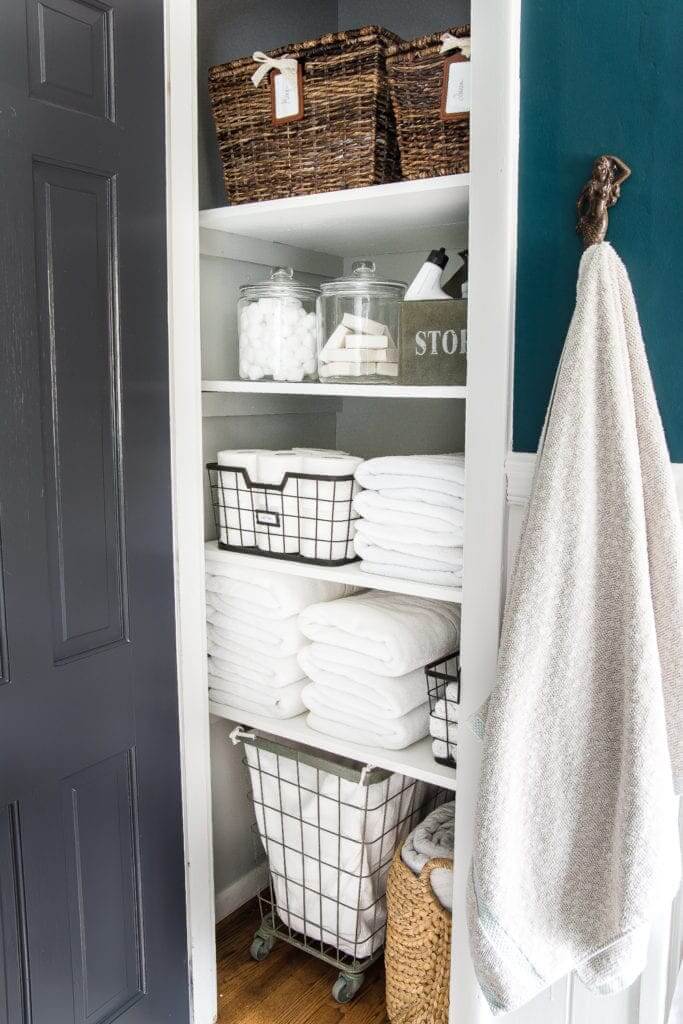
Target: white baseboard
x,y
520,466
234,896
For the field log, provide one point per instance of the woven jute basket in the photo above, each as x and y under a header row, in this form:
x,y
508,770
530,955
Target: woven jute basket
x,y
346,138
429,146
417,954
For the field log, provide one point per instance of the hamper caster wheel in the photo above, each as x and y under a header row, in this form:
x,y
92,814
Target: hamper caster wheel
x,y
261,946
346,986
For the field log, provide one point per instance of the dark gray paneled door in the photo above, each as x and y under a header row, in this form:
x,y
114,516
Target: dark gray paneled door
x,y
92,902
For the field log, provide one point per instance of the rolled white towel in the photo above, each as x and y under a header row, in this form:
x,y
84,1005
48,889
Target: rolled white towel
x,y
356,688
424,518
443,751
443,721
389,733
389,634
433,837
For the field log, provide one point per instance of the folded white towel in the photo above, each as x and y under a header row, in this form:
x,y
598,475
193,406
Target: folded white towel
x,y
413,539
445,473
450,560
281,595
356,688
260,668
445,751
285,702
390,634
425,518
433,837
444,499
388,733
439,577
262,641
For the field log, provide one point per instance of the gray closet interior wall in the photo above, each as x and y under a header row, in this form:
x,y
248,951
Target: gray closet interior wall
x,y
228,29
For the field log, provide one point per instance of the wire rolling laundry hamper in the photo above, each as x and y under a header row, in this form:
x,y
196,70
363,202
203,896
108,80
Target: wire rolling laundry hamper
x,y
306,518
330,828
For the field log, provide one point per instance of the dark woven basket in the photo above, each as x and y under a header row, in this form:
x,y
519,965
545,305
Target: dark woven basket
x,y
429,146
346,139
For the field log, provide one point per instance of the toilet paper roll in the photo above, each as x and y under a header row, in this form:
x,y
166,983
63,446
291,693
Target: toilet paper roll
x,y
272,466
235,498
276,512
327,499
330,541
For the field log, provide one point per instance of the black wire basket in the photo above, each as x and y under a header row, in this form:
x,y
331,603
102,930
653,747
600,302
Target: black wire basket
x,y
305,518
443,689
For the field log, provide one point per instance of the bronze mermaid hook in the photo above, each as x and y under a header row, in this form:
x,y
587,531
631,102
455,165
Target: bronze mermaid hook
x,y
597,196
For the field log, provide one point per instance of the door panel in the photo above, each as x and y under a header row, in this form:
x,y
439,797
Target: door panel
x,y
75,260
100,822
89,744
14,981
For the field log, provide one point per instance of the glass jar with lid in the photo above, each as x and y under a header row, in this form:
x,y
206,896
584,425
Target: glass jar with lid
x,y
277,329
358,327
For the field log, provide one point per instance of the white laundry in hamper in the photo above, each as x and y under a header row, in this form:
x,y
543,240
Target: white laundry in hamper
x,y
329,843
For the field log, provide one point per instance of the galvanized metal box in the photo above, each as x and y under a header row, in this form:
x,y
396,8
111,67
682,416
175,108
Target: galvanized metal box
x,y
433,342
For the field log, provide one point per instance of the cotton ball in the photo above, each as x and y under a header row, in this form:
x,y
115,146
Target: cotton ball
x,y
254,312
293,302
290,316
309,367
255,372
296,373
311,321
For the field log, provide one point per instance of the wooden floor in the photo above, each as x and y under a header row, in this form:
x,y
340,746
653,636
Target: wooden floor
x,y
289,987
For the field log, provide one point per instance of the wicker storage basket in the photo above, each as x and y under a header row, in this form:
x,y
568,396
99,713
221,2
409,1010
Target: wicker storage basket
x,y
346,138
417,954
429,145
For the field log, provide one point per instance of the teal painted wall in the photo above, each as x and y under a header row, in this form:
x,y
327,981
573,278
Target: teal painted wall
x,y
598,78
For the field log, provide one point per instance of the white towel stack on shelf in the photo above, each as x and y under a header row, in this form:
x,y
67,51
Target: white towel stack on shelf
x,y
412,517
253,636
366,665
312,518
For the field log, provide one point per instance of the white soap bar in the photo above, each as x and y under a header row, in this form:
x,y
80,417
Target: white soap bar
x,y
366,341
334,342
348,369
362,325
387,369
365,355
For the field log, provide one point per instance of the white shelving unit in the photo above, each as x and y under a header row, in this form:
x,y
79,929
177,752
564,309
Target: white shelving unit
x,y
415,761
317,235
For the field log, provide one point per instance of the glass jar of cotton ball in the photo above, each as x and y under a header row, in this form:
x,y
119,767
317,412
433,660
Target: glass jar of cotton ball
x,y
277,329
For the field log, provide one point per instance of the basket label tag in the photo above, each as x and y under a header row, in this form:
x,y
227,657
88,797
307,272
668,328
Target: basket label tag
x,y
456,88
268,518
286,97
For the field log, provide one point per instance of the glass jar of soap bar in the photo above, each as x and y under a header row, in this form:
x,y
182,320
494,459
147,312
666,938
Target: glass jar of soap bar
x,y
277,329
358,327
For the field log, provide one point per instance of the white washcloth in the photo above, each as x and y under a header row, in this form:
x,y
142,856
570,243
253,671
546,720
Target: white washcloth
x,y
387,733
389,634
444,473
282,595
284,702
433,837
443,721
273,671
380,696
443,751
425,518
437,547
576,846
288,640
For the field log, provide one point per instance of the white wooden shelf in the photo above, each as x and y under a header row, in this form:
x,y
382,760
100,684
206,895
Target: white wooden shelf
x,y
351,574
378,219
415,761
266,387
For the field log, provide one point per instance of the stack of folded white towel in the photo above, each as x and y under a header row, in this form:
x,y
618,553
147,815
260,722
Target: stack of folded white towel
x,y
253,636
433,837
366,665
308,517
412,517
